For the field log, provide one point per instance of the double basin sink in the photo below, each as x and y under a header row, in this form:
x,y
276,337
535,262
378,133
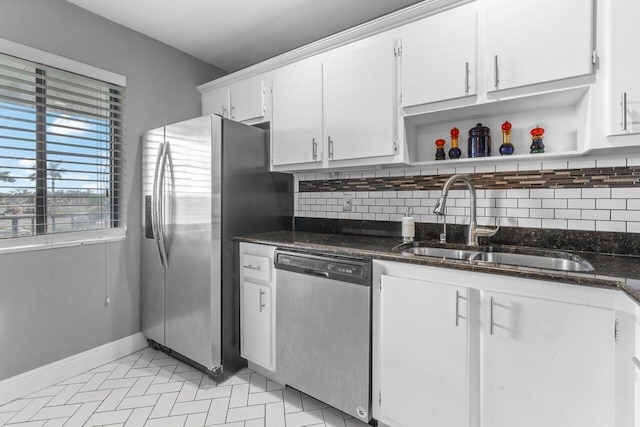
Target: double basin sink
x,y
495,255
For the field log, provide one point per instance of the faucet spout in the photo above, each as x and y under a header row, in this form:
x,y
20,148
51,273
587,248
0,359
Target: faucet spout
x,y
473,231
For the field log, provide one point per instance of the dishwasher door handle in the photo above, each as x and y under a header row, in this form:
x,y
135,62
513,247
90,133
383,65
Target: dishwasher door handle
x,y
324,274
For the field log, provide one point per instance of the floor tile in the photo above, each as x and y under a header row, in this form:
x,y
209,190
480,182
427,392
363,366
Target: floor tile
x,y
138,417
292,401
164,405
239,396
30,410
106,418
194,407
275,415
113,400
48,412
301,419
150,388
245,413
218,411
265,397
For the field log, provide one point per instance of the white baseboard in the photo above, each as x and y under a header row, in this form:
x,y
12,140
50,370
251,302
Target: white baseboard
x,y
45,376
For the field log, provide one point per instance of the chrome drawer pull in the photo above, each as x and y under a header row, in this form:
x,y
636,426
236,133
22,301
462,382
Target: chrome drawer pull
x,y
251,267
262,305
623,107
491,317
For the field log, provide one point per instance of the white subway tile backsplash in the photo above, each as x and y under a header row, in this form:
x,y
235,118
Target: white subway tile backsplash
x,y
625,193
602,209
582,164
542,193
530,222
568,193
542,213
529,203
602,215
582,225
557,224
581,204
506,203
632,216
554,203
615,226
596,193
611,162
568,214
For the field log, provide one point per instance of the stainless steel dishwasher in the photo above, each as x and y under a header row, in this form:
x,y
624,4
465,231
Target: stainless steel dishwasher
x,y
323,328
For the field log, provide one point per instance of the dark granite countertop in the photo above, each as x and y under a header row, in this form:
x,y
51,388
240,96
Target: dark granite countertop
x,y
610,271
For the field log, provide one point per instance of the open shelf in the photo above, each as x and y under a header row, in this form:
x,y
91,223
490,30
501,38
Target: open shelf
x,y
563,115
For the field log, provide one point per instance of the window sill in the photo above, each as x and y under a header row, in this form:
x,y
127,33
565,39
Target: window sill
x,y
55,241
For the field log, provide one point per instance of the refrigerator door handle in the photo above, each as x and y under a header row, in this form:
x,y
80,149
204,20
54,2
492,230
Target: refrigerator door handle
x,y
160,207
157,202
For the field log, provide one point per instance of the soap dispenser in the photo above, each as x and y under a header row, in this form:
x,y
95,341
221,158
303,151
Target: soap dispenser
x,y
408,227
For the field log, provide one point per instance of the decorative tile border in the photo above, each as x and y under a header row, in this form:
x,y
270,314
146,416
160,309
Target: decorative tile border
x,y
598,177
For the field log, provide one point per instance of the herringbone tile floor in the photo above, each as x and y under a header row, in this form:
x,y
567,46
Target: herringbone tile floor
x,y
152,389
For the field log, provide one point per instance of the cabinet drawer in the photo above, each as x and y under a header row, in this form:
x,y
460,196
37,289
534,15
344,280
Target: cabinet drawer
x,y
256,267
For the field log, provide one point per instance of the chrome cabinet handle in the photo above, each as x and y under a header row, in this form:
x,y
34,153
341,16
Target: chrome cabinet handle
x,y
223,109
623,108
233,111
457,308
496,78
330,147
636,361
491,316
252,267
315,148
466,77
260,295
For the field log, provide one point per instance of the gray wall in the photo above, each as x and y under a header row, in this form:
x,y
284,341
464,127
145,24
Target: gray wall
x,y
52,302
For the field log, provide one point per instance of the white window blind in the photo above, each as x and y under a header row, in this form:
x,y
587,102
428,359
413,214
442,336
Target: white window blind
x,y
61,153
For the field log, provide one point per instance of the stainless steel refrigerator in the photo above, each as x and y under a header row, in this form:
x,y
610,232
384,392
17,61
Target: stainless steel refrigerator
x,y
205,181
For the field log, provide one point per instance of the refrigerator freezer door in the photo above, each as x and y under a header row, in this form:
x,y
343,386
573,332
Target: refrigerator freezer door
x,y
152,270
189,282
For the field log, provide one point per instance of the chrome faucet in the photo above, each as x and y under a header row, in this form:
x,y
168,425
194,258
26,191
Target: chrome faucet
x,y
474,231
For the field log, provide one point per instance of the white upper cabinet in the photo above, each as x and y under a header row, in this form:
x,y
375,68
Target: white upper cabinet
x,y
531,42
439,57
243,101
216,101
622,63
360,100
296,117
247,100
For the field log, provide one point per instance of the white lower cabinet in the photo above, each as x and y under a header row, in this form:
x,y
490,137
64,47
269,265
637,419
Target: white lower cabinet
x,y
546,362
257,302
418,316
459,348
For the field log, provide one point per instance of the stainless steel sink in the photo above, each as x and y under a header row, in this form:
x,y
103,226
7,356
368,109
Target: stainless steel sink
x,y
553,260
439,252
567,262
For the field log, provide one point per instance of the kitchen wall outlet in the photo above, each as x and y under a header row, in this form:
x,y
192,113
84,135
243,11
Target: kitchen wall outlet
x,y
347,203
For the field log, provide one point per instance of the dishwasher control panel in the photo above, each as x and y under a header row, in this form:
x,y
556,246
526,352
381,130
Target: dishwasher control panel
x,y
336,268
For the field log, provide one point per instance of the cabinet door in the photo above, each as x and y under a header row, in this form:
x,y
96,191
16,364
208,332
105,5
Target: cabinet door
x,y
439,57
623,65
546,363
424,353
257,327
360,101
247,100
216,102
535,41
296,117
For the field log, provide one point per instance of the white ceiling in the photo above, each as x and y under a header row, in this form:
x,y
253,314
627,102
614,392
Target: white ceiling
x,y
233,34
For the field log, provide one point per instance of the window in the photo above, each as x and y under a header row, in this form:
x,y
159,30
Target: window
x,y
61,151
